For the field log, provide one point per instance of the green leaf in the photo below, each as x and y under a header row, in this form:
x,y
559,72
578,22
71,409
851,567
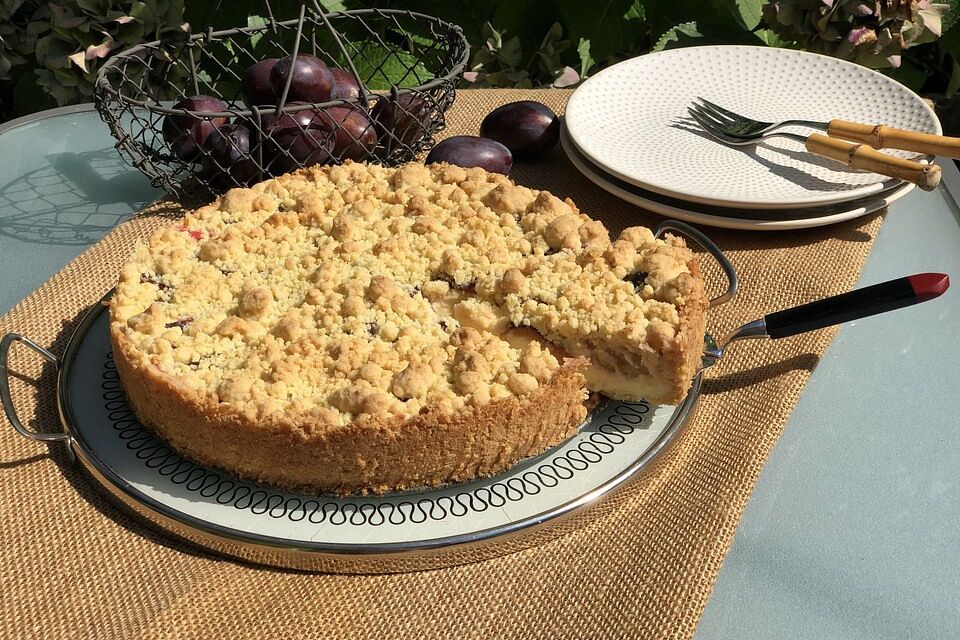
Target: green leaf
x,y
381,67
586,60
715,19
674,34
769,38
94,7
142,12
468,14
951,18
233,14
749,12
610,25
62,94
636,12
333,5
130,33
514,79
256,21
511,53
66,77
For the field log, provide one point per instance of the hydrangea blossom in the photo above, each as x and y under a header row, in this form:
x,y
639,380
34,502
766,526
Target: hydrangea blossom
x,y
871,33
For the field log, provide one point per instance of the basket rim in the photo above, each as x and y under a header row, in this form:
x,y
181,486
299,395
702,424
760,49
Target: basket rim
x,y
102,84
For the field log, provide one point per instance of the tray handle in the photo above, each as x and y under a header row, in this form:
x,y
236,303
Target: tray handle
x,y
5,343
733,282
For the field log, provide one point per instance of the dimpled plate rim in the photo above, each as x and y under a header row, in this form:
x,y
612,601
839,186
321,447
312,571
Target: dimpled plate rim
x,y
650,142
661,204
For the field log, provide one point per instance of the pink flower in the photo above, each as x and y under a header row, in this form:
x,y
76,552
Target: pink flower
x,y
861,35
568,78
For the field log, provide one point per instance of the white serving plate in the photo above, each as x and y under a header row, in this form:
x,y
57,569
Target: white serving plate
x,y
750,219
631,121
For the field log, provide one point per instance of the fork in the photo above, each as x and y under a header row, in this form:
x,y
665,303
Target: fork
x,y
878,136
856,156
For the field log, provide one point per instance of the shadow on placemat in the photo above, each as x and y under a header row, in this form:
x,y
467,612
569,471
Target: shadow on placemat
x,y
740,379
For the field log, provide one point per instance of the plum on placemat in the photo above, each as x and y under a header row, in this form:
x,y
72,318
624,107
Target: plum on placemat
x,y
526,127
472,151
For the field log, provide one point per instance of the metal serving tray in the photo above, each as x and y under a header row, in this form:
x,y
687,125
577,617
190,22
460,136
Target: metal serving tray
x,y
536,500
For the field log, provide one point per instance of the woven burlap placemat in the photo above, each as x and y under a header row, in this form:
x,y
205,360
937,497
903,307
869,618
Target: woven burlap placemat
x,y
73,565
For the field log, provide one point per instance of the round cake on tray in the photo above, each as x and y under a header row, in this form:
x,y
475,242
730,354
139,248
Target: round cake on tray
x,y
363,328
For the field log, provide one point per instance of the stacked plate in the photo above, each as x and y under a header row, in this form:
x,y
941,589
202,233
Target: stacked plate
x,y
628,131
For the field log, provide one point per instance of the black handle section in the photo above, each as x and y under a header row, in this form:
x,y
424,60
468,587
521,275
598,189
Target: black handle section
x,y
859,303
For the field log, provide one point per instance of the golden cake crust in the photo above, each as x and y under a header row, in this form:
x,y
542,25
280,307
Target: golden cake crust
x,y
363,328
374,453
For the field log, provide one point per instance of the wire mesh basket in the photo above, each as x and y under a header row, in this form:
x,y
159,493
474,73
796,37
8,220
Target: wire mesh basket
x,y
394,76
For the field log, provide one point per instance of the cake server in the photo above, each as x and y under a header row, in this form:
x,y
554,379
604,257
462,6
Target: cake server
x,y
859,303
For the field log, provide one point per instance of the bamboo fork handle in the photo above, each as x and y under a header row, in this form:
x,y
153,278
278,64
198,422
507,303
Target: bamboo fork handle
x,y
881,136
861,156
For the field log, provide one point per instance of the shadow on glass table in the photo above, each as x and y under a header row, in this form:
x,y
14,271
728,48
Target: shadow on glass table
x,y
67,201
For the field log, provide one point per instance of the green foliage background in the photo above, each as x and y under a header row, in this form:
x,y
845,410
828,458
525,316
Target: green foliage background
x,y
50,51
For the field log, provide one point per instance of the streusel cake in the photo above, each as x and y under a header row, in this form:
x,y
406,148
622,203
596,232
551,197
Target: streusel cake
x,y
367,328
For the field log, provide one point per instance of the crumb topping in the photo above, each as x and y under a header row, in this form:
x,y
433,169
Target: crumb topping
x,y
357,289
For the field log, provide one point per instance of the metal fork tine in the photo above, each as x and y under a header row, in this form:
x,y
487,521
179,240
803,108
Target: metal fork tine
x,y
718,132
695,111
716,107
738,127
708,125
723,119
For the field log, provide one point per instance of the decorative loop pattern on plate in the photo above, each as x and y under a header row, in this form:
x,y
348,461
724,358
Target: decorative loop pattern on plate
x,y
211,484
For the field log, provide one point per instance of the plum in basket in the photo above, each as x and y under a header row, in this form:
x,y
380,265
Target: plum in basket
x,y
186,134
302,148
294,137
472,151
354,133
529,129
227,157
311,81
271,124
345,86
302,117
255,86
402,120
